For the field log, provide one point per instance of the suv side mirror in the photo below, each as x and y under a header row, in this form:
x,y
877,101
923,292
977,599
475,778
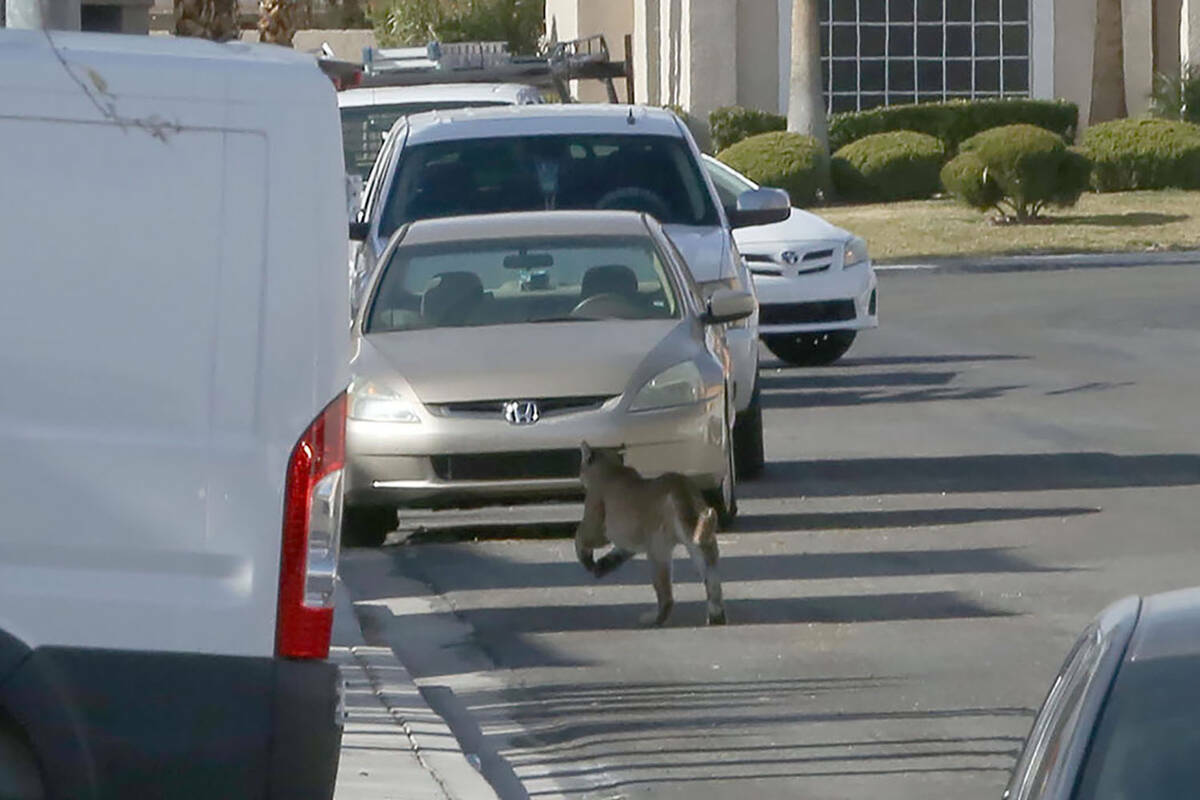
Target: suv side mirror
x,y
359,231
760,207
729,305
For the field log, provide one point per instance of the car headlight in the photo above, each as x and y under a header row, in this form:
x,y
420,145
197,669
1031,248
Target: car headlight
x,y
856,252
679,385
371,402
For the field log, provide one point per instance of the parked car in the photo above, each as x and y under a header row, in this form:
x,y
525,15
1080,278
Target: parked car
x,y
815,282
492,346
577,157
171,418
1122,719
368,113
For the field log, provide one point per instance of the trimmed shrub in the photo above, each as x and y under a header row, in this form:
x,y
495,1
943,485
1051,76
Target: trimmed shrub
x,y
954,122
900,165
1177,96
1017,170
1129,154
732,124
785,160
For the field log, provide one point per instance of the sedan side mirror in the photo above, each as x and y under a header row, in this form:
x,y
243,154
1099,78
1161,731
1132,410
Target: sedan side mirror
x,y
760,207
359,231
729,305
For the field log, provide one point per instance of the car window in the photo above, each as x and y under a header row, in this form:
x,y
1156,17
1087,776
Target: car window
x,y
1148,739
1055,723
652,174
729,184
513,281
364,127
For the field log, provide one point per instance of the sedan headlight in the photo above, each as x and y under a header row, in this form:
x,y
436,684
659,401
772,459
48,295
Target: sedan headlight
x,y
371,402
856,252
679,385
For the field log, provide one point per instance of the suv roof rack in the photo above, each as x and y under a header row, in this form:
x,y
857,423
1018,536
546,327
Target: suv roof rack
x,y
490,62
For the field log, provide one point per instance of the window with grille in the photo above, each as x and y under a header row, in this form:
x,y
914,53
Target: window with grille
x,y
887,52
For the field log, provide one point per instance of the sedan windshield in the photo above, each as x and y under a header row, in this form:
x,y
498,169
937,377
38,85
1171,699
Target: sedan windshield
x,y
653,174
364,127
511,281
1148,739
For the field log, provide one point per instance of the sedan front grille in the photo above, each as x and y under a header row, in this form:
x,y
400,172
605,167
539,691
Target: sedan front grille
x,y
547,406
526,465
806,313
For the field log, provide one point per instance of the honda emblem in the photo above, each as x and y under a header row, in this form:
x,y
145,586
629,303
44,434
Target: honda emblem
x,y
521,412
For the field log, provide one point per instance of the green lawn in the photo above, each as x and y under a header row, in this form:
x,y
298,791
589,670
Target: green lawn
x,y
1100,223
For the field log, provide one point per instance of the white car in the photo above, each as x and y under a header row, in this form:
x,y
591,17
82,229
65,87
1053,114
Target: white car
x,y
369,113
172,417
815,283
577,157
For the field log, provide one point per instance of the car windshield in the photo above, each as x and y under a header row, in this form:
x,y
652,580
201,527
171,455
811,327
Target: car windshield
x,y
653,174
510,282
364,128
1147,742
729,184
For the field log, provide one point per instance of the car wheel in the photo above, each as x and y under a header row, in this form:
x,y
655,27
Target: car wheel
x,y
20,778
748,450
810,349
724,498
367,526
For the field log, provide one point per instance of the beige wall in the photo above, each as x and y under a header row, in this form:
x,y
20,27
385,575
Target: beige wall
x,y
758,32
1189,32
573,19
1074,22
647,45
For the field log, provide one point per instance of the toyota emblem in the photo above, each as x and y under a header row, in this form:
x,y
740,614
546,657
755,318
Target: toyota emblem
x,y
521,412
790,257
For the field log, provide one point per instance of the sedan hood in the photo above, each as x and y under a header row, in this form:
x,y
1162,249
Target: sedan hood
x,y
801,226
549,359
706,250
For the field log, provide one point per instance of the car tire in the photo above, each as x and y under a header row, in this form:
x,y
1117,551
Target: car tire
x,y
367,526
748,450
20,778
724,499
810,349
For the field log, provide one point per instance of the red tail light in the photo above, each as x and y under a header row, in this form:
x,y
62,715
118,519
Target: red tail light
x,y
312,524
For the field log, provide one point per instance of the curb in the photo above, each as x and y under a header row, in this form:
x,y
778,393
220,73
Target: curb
x,y
411,751
1031,263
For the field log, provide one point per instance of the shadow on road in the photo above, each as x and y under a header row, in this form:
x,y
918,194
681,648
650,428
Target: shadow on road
x,y
903,518
848,380
868,397
967,474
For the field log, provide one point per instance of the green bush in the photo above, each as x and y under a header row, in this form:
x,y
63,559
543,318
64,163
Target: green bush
x,y
954,122
1131,154
732,124
414,22
785,160
900,165
1017,170
1178,96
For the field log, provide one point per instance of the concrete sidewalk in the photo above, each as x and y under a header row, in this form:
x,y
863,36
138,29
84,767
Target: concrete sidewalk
x,y
395,747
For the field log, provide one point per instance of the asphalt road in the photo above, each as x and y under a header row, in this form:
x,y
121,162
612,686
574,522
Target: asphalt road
x,y
941,515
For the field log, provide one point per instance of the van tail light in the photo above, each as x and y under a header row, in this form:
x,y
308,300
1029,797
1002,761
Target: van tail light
x,y
312,525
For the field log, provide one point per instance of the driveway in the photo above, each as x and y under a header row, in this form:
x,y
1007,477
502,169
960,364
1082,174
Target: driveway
x,y
941,514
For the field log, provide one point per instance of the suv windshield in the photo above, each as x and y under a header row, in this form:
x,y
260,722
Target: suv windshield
x,y
653,174
364,127
509,282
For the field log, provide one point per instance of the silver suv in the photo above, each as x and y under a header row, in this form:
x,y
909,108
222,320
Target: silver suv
x,y
576,157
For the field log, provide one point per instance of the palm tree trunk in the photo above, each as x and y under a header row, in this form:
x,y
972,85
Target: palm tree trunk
x,y
806,103
206,19
1108,64
278,20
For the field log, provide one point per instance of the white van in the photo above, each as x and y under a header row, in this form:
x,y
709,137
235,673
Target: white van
x,y
173,359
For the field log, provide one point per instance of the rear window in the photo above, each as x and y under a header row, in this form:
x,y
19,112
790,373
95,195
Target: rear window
x,y
1147,745
364,128
515,281
656,175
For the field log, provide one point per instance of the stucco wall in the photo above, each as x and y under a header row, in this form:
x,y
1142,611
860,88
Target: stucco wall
x,y
573,19
758,54
1074,23
647,46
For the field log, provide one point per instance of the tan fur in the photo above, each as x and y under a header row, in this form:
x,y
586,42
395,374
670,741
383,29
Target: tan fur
x,y
651,516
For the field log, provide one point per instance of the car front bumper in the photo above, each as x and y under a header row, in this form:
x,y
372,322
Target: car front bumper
x,y
837,299
460,461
